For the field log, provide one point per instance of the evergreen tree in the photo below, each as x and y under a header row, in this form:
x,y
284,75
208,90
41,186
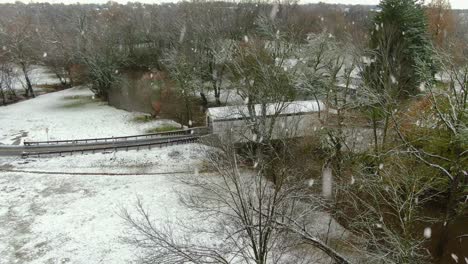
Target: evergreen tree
x,y
399,43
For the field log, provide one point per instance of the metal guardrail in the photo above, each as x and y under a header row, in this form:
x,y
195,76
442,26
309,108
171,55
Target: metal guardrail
x,y
189,131
160,144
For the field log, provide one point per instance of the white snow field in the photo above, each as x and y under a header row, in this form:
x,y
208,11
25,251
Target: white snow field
x,y
66,209
57,218
67,114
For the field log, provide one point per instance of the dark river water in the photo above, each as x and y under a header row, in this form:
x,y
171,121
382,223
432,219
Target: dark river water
x,y
135,92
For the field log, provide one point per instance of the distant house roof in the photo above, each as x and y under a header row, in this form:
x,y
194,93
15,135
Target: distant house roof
x,y
286,108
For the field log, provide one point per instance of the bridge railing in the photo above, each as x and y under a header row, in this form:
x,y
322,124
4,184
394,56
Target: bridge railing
x,y
189,131
159,144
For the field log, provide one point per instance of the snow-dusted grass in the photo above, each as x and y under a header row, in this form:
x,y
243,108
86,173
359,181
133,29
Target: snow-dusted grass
x,y
48,218
68,114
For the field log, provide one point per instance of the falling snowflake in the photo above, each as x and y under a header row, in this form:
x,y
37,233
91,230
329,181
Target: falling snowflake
x,y
246,38
454,257
274,11
254,137
427,232
182,34
256,164
4,48
116,71
422,87
310,182
190,122
327,180
44,55
381,166
393,79
352,180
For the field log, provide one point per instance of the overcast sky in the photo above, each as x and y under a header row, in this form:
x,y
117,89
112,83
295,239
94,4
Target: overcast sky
x,y
457,4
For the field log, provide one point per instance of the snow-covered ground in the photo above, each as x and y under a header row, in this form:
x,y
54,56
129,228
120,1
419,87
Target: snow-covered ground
x,y
67,114
48,214
66,209
38,75
54,218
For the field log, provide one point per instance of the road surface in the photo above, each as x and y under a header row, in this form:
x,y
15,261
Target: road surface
x,y
20,150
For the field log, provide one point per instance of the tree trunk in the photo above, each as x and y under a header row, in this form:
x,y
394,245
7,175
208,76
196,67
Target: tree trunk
x,y
3,94
453,196
204,101
188,112
374,130
69,74
217,92
63,81
29,89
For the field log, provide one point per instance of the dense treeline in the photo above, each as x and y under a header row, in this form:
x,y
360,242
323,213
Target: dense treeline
x,y
106,38
109,37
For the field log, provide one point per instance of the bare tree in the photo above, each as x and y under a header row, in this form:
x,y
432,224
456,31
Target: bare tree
x,y
18,41
100,51
441,22
255,220
7,92
211,37
187,78
263,78
445,120
59,44
383,209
